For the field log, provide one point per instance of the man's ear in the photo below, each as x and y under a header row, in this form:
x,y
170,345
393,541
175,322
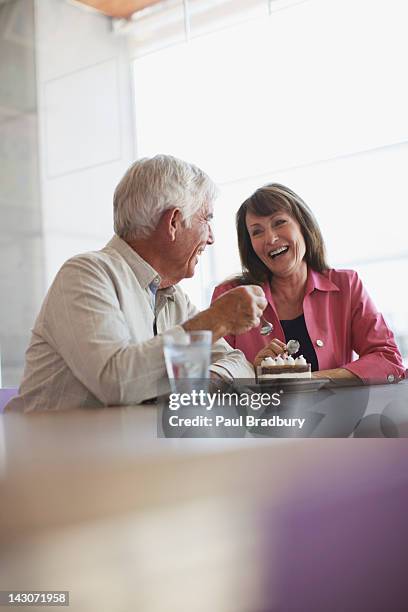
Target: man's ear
x,y
171,220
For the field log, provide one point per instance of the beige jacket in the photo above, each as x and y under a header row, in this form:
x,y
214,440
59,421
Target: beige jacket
x,y
93,344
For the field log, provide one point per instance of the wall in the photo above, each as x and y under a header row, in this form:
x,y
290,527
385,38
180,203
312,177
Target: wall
x,y
66,137
21,241
86,127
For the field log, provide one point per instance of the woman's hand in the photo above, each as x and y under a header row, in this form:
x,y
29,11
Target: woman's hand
x,y
273,349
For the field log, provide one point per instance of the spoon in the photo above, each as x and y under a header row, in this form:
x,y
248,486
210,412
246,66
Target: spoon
x,y
266,328
292,347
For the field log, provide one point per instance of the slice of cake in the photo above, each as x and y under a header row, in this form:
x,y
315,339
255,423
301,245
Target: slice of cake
x,y
283,368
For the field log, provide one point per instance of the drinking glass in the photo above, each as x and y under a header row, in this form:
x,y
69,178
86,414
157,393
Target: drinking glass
x,y
187,357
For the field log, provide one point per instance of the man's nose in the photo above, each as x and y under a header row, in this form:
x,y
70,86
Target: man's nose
x,y
210,239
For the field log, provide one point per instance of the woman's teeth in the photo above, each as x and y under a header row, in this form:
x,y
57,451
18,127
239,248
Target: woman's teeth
x,y
277,252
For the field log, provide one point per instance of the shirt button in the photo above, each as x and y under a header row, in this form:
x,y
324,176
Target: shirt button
x,y
320,343
156,281
390,378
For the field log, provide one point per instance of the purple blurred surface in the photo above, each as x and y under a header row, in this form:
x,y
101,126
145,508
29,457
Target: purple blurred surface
x,y
5,396
342,540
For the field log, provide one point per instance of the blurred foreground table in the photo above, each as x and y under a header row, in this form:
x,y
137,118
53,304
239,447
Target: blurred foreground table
x,y
94,503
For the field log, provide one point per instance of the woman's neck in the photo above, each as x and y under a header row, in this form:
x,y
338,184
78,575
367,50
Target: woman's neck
x,y
289,291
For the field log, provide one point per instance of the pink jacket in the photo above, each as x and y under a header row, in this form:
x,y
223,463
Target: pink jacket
x,y
340,318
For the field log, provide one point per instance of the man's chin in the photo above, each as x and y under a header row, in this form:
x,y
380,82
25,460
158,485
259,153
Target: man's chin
x,y
191,268
190,273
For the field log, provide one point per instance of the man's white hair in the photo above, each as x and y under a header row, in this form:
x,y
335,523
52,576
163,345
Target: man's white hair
x,y
153,185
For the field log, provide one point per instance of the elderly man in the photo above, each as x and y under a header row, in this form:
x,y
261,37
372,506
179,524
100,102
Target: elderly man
x,y
98,338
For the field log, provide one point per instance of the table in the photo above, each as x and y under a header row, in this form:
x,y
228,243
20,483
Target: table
x,y
93,502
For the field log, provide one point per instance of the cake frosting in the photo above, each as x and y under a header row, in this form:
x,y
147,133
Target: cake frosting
x,y
283,367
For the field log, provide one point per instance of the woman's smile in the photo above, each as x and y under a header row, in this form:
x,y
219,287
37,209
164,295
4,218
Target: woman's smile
x,y
278,241
278,252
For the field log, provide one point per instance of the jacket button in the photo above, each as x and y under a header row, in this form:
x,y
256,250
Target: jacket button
x,y
390,378
320,343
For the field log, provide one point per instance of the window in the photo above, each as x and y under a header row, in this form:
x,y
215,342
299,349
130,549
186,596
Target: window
x,y
312,95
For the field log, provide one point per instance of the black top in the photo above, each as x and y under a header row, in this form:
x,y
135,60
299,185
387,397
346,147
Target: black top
x,y
296,329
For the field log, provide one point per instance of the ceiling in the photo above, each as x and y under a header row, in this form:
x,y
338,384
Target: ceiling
x,y
118,8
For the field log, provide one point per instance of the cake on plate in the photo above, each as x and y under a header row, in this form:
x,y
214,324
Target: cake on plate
x,y
283,368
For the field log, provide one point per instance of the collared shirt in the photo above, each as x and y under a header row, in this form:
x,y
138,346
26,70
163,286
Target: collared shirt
x,y
341,320
93,344
154,287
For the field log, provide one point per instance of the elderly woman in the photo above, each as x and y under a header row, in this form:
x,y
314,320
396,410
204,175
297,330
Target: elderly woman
x,y
328,311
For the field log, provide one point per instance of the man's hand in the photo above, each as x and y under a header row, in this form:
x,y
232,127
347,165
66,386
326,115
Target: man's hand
x,y
273,349
234,312
240,309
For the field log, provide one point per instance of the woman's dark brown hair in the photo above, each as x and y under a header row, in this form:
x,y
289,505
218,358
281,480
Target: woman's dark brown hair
x,y
266,201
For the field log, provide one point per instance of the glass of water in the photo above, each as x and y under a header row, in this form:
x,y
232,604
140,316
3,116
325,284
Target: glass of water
x,y
187,357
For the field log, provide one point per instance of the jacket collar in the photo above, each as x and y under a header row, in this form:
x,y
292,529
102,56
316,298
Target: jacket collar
x,y
315,280
319,281
143,271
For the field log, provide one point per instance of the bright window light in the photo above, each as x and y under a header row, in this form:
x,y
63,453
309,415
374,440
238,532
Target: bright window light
x,y
313,96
